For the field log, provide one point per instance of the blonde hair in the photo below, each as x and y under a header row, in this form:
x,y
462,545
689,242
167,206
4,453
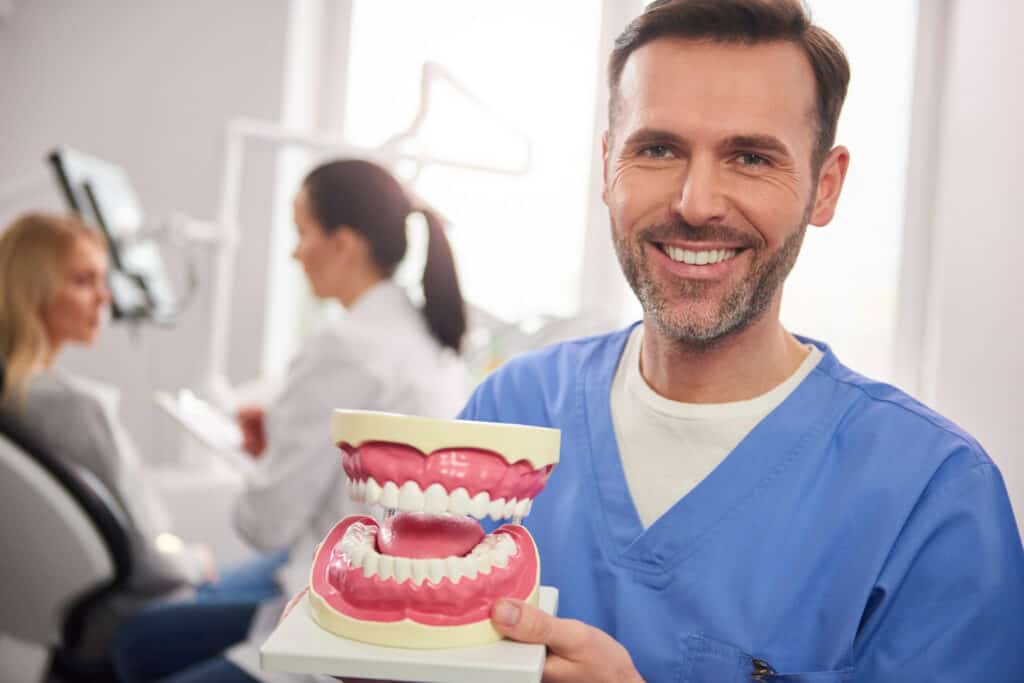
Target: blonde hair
x,y
32,251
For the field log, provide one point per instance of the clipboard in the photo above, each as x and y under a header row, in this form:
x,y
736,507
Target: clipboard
x,y
209,425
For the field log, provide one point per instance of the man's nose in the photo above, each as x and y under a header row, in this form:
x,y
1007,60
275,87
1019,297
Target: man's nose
x,y
701,199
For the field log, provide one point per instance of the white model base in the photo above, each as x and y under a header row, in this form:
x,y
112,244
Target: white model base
x,y
299,645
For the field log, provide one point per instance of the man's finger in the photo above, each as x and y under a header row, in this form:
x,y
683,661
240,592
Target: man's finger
x,y
291,604
521,621
559,670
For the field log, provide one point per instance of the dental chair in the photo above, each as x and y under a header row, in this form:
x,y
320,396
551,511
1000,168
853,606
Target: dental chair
x,y
63,549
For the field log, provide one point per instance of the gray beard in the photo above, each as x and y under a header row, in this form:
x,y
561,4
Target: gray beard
x,y
741,306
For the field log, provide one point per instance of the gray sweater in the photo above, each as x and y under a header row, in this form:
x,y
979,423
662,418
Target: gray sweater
x,y
76,420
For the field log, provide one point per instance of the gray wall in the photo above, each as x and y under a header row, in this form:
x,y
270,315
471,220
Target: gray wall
x,y
149,85
975,318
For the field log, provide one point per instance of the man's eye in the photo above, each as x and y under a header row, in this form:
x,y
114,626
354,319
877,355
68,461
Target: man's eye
x,y
656,152
751,159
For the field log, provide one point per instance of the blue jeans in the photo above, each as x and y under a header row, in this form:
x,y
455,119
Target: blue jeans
x,y
186,638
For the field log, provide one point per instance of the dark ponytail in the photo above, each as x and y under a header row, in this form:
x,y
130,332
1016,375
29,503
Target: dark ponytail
x,y
366,198
443,306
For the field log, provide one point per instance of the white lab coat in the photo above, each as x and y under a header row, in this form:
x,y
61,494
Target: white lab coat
x,y
379,356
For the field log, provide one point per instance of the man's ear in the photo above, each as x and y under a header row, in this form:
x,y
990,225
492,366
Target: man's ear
x,y
604,166
830,185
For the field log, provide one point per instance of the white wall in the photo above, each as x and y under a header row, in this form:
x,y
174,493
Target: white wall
x,y
150,85
975,319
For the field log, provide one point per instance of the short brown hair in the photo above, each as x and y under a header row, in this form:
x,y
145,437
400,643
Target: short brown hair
x,y
746,22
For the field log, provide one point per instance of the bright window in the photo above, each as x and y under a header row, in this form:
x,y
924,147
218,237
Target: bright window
x,y
517,239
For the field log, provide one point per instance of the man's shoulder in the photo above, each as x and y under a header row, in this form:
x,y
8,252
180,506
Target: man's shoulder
x,y
886,414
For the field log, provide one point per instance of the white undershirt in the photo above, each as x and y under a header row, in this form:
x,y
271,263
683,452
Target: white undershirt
x,y
668,447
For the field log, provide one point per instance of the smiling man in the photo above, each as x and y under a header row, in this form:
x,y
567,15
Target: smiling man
x,y
732,502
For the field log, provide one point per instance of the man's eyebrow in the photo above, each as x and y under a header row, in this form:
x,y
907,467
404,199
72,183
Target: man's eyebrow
x,y
761,143
652,136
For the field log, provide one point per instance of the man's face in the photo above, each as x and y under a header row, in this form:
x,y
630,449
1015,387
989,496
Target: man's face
x,y
708,181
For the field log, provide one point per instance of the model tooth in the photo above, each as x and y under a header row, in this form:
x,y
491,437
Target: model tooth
x,y
361,490
371,561
500,559
469,567
435,570
458,502
478,507
529,506
410,497
403,569
503,549
419,570
357,553
483,563
510,508
373,491
351,486
435,499
389,495
521,508
496,508
454,568
386,567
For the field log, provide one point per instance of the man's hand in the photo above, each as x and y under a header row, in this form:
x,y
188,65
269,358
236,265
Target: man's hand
x,y
254,438
576,651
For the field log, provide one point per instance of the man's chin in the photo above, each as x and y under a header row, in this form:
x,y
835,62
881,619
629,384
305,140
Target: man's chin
x,y
695,331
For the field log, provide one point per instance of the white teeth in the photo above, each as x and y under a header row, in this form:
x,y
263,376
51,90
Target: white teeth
x,y
371,562
503,550
372,490
478,508
458,502
454,568
357,555
403,569
410,497
386,567
436,500
699,258
496,508
435,570
389,495
419,570
494,551
469,567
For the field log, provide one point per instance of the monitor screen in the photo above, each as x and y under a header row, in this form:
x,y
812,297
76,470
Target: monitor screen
x,y
101,193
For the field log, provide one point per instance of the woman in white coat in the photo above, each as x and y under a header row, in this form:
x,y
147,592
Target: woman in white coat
x,y
384,354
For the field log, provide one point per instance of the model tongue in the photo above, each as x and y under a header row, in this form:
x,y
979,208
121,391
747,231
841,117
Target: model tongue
x,y
420,535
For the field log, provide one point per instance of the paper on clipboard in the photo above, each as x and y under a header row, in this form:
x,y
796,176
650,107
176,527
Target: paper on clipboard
x,y
209,425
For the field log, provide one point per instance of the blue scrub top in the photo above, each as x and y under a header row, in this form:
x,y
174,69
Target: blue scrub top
x,y
853,535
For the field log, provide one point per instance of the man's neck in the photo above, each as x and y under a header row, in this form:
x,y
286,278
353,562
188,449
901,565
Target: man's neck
x,y
740,367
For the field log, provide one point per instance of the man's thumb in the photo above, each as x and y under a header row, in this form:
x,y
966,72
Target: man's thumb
x,y
522,621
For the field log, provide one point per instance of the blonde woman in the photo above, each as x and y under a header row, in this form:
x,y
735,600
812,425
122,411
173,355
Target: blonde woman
x,y
53,292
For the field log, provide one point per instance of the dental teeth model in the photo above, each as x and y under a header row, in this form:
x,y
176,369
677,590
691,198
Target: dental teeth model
x,y
428,575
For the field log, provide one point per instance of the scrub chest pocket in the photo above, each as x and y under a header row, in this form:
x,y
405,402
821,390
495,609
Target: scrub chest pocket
x,y
710,661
